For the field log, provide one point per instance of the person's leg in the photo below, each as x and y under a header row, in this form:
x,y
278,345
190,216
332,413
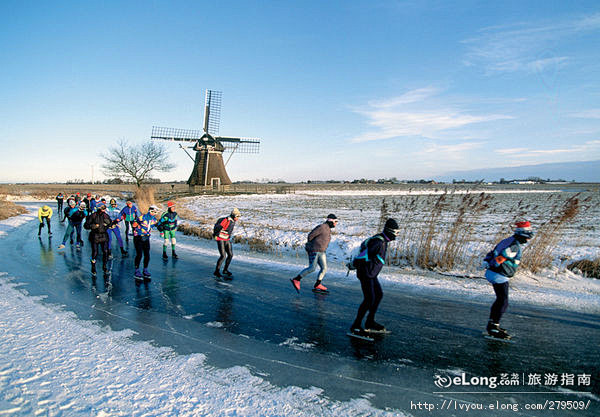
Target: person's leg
x,y
110,232
322,261
229,251
137,242
48,223
105,255
78,229
366,284
312,265
68,232
146,248
501,303
377,296
41,227
221,247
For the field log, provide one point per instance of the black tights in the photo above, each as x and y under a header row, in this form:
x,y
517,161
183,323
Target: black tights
x,y
42,224
501,303
224,249
142,247
372,294
103,247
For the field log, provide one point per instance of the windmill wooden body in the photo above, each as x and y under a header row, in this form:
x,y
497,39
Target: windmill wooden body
x,y
209,167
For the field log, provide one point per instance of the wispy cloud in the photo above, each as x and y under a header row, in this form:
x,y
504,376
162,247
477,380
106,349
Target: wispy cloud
x,y
584,148
587,114
527,47
411,115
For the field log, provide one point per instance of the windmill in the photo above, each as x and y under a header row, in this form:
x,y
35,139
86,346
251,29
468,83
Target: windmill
x,y
209,168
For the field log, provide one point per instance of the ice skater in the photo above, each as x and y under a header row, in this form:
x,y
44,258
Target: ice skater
x,y
222,233
44,214
142,227
98,224
316,246
369,263
501,264
129,214
167,225
115,215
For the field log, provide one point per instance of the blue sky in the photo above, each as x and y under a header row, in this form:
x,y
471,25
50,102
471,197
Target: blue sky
x,y
334,90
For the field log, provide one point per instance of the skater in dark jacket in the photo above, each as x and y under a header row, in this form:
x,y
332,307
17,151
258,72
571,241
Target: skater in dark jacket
x,y
316,245
368,265
98,224
222,233
60,198
501,264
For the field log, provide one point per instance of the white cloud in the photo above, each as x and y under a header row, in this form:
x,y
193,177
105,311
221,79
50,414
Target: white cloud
x,y
588,114
584,149
401,117
526,47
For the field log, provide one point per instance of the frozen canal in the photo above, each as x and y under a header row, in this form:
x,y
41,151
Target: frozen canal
x,y
257,321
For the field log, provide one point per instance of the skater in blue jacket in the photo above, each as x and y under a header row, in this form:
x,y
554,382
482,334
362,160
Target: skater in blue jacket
x,y
501,264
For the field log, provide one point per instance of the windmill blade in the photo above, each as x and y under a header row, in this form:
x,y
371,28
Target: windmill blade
x,y
179,135
240,145
212,112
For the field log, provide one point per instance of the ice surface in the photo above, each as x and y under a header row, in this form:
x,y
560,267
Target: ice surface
x,y
52,363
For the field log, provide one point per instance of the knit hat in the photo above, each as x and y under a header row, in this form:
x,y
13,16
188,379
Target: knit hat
x,y
170,204
391,228
152,208
523,228
331,217
82,204
235,213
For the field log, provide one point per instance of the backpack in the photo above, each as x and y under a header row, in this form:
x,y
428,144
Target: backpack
x,y
363,254
217,228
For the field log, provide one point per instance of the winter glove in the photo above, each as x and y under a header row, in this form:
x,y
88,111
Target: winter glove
x,y
162,234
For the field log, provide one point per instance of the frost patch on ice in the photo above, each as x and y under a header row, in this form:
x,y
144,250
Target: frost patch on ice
x,y
294,343
77,368
216,324
192,316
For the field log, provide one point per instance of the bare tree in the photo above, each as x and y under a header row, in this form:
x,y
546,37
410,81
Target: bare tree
x,y
136,161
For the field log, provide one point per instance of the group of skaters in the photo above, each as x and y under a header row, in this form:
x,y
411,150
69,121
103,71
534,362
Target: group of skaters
x,y
501,263
103,220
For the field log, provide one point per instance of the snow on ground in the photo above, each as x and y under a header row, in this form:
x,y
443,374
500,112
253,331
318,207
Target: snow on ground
x,y
52,363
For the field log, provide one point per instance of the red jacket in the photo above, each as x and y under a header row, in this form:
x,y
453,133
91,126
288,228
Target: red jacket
x,y
224,228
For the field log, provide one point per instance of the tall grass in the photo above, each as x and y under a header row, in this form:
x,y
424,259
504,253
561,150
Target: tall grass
x,y
10,209
451,231
538,254
144,198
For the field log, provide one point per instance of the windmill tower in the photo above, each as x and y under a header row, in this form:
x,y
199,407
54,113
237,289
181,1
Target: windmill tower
x,y
209,168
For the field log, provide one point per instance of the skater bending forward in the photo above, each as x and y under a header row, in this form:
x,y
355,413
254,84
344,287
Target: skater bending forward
x,y
501,264
222,233
368,265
